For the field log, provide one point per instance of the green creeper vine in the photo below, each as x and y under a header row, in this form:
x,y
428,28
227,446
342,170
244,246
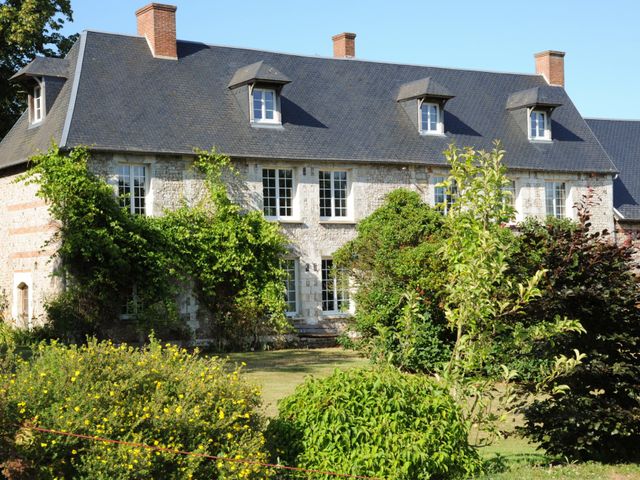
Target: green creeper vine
x,y
231,258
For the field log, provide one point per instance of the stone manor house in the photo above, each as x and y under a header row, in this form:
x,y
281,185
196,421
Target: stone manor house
x,y
318,141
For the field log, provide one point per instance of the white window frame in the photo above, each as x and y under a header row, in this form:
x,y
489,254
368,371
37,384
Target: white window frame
x,y
347,195
341,306
547,125
557,203
295,284
278,216
276,120
449,198
439,123
147,186
36,115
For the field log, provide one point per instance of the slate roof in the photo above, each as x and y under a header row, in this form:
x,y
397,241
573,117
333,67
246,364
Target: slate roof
x,y
621,140
333,110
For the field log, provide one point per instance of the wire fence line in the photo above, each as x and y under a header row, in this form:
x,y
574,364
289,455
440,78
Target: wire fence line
x,y
284,472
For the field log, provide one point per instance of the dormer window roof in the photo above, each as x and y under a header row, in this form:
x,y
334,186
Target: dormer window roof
x,y
425,88
258,72
42,67
545,97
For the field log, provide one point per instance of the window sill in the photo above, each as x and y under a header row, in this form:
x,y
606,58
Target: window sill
x,y
540,140
270,126
432,134
329,221
35,125
289,221
336,314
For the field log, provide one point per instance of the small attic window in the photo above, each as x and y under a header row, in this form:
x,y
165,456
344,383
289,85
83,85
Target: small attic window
x,y
539,125
264,103
429,98
36,104
430,119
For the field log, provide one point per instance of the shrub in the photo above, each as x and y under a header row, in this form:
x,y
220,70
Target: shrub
x,y
395,253
373,422
590,279
160,396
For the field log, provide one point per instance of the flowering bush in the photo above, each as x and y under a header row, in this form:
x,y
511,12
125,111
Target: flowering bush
x,y
161,396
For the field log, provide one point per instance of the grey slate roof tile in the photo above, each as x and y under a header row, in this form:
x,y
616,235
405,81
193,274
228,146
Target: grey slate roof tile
x,y
621,140
333,109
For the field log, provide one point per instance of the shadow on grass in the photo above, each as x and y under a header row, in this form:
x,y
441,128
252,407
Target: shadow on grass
x,y
500,463
294,361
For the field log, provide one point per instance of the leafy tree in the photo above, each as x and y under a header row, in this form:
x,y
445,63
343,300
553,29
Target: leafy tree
x,y
27,28
591,279
394,263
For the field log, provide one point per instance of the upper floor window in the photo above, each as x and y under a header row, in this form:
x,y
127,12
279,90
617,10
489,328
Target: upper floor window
x,y
556,199
37,106
265,105
444,197
335,288
290,267
277,192
539,125
430,122
333,194
132,188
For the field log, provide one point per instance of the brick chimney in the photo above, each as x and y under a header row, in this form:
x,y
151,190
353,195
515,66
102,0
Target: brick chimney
x,y
551,64
344,45
157,23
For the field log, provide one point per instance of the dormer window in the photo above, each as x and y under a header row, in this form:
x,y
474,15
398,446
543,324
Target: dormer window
x,y
430,122
262,85
265,105
532,110
428,98
539,125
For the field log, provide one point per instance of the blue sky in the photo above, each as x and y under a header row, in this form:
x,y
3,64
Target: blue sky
x,y
601,39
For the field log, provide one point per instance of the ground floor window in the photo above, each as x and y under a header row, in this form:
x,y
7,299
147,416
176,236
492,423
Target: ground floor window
x,y
290,266
335,288
556,199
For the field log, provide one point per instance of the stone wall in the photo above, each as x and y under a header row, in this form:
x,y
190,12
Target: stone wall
x,y
25,226
25,259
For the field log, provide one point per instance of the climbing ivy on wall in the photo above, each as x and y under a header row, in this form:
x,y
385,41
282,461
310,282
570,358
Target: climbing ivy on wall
x,y
108,256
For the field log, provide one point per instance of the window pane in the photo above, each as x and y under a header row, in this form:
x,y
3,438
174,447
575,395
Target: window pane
x,y
124,191
433,118
138,193
289,267
257,104
325,194
340,192
269,101
328,302
285,184
269,192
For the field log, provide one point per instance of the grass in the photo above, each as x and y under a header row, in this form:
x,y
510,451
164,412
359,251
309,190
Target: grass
x,y
279,372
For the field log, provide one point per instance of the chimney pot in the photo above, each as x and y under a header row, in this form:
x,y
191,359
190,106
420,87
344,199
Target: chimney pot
x,y
157,23
344,45
550,63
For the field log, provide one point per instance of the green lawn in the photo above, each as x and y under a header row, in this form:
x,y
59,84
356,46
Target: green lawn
x,y
279,371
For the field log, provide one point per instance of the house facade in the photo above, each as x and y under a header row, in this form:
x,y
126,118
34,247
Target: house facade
x,y
318,142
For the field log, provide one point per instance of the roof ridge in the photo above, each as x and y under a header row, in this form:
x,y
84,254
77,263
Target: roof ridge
x,y
337,59
613,119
